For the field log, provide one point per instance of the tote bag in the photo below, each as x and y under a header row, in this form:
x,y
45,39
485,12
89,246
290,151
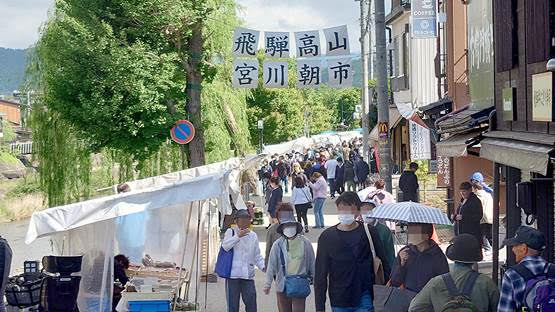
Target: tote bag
x,y
224,262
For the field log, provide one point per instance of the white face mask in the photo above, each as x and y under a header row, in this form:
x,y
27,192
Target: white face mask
x,y
367,219
417,238
290,231
346,219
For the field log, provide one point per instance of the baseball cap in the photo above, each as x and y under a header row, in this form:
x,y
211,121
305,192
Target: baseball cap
x,y
529,236
477,176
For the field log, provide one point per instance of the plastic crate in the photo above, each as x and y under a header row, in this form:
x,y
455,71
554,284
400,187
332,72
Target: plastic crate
x,y
149,306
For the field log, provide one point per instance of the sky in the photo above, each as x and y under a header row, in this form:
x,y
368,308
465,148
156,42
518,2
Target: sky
x,y
22,18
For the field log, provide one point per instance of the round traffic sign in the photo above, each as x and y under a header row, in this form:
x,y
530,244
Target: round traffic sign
x,y
183,132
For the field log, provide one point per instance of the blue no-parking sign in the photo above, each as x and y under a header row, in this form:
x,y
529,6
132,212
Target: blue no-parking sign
x,y
183,132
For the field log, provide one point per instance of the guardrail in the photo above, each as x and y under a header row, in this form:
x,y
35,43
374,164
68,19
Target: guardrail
x,y
22,147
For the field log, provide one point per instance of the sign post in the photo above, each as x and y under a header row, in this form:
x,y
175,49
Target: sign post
x,y
424,19
183,132
261,135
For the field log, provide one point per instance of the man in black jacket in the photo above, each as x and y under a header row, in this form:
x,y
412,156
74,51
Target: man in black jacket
x,y
344,261
468,216
408,183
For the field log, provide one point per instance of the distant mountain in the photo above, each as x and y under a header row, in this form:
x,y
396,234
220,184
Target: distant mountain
x,y
12,69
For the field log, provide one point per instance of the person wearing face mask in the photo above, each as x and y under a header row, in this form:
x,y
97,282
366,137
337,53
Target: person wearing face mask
x,y
344,262
291,255
419,261
383,235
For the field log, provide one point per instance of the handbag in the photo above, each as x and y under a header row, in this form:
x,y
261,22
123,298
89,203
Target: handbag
x,y
224,262
379,278
309,204
296,286
392,299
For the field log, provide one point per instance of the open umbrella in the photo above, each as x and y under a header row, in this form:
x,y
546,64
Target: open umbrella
x,y
410,212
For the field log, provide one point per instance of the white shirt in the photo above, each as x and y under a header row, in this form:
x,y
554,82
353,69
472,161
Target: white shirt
x,y
487,206
246,253
331,165
301,196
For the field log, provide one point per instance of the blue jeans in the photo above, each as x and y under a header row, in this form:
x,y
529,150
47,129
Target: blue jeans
x,y
364,306
240,288
318,214
285,182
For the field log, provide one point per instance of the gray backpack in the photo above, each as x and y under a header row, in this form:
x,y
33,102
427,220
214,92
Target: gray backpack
x,y
459,301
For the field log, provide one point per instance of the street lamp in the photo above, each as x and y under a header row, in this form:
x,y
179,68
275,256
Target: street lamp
x,y
261,135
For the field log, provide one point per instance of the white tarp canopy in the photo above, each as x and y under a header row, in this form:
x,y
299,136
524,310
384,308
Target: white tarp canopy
x,y
72,216
303,143
167,222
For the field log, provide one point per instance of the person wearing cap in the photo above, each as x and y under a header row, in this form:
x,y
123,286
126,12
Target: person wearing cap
x,y
527,245
384,235
465,251
478,177
420,261
298,256
246,255
272,235
486,223
344,262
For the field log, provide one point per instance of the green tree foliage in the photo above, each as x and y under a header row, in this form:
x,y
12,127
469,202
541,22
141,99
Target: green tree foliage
x,y
113,81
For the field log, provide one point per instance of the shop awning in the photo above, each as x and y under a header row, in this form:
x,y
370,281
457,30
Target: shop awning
x,y
394,119
456,145
518,154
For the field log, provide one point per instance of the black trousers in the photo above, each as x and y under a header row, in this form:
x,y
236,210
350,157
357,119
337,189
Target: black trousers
x,y
301,211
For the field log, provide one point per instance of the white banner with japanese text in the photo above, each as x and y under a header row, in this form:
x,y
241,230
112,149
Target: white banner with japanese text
x,y
337,41
245,73
420,145
309,73
276,44
276,74
245,42
340,73
308,43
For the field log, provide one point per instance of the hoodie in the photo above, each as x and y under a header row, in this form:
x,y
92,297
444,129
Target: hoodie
x,y
420,267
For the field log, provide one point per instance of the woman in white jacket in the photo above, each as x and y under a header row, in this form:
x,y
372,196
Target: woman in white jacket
x,y
302,199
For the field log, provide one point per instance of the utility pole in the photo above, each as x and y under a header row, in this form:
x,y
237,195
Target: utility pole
x,y
364,32
384,143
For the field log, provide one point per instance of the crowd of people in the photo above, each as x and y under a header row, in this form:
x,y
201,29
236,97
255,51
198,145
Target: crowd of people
x,y
357,254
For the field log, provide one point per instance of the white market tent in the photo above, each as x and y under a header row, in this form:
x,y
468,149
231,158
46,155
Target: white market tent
x,y
166,217
302,143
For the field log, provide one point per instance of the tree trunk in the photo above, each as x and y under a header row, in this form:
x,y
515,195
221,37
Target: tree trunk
x,y
194,81
233,129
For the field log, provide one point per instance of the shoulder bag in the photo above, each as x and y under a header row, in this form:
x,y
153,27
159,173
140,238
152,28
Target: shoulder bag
x,y
296,286
309,204
224,261
379,278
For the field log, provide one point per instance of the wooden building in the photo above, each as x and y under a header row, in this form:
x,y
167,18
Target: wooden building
x,y
522,143
11,111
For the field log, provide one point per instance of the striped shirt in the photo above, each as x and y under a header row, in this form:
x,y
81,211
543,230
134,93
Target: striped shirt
x,y
513,288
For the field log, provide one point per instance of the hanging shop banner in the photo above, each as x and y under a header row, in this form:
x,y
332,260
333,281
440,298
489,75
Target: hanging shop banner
x,y
443,171
420,145
276,74
245,74
276,44
245,42
308,43
424,19
309,73
337,41
542,97
340,73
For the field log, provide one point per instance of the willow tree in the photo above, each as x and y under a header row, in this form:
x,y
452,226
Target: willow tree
x,y
116,75
122,72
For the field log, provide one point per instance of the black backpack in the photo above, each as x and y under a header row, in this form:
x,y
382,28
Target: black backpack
x,y
459,301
